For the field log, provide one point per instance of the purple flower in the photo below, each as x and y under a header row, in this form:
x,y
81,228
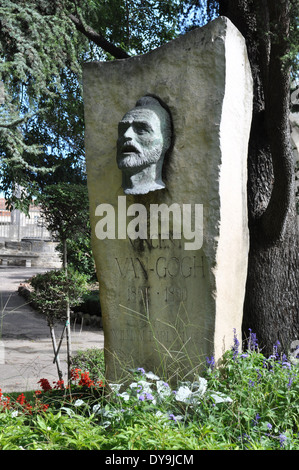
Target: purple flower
x,y
141,397
256,420
259,375
235,347
140,369
149,396
290,382
211,362
282,439
251,383
171,416
269,426
252,341
275,350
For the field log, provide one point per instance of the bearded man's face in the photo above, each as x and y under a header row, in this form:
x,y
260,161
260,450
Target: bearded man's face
x,y
140,139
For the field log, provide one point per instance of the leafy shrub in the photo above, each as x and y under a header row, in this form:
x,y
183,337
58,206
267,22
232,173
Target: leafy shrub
x,y
53,289
91,360
90,304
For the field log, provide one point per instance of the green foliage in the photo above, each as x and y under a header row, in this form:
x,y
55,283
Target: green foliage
x,y
52,291
291,59
90,303
248,402
79,254
37,42
135,25
91,360
65,209
195,13
41,57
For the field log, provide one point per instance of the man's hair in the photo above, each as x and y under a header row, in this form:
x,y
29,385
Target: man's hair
x,y
153,103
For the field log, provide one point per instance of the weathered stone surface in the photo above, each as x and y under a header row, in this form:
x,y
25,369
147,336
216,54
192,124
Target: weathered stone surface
x,y
165,307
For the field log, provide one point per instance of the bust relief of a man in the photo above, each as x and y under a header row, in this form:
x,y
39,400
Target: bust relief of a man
x,y
144,136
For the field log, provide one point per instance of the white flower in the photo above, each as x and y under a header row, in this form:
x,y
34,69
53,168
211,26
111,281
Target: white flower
x,y
115,387
124,395
183,394
96,409
151,376
191,393
141,386
69,411
220,397
201,385
163,389
14,414
79,402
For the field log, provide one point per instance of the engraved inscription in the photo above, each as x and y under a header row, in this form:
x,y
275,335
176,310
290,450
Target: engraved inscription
x,y
159,334
162,267
167,294
169,280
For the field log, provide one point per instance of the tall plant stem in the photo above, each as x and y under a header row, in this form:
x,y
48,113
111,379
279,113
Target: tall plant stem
x,y
59,371
68,317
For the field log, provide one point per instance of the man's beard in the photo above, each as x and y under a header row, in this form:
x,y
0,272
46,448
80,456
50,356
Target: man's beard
x,y
138,161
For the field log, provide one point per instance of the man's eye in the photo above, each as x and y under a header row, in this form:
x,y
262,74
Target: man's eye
x,y
122,127
142,129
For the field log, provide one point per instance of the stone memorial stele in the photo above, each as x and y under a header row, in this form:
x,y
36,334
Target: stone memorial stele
x,y
166,137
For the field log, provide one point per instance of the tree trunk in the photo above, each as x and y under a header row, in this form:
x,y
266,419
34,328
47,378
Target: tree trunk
x,y
271,306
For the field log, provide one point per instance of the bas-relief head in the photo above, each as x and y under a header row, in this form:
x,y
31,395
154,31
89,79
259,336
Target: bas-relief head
x,y
144,136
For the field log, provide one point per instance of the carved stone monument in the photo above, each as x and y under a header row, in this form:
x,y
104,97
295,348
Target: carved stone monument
x,y
166,152
144,136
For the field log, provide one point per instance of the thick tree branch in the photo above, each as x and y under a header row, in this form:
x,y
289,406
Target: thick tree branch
x,y
98,39
277,112
265,25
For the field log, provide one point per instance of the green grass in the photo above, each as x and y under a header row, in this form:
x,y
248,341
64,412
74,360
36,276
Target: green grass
x,y
248,403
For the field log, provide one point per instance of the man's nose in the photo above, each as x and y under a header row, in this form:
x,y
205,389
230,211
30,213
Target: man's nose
x,y
129,133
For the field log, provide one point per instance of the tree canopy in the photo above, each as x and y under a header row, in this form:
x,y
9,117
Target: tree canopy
x,y
42,47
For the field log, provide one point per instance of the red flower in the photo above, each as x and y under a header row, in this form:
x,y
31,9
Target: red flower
x,y
86,380
45,384
59,385
75,374
21,399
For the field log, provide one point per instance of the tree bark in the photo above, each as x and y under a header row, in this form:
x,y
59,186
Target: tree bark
x,y
271,306
98,39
